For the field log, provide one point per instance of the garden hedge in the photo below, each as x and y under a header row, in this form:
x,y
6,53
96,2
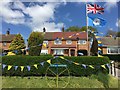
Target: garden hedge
x,y
113,57
76,70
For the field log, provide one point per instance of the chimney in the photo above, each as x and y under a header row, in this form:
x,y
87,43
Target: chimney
x,y
63,29
8,31
44,30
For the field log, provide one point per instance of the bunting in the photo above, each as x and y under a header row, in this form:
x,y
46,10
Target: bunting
x,y
35,65
22,67
91,66
28,67
3,65
49,61
9,67
16,67
103,66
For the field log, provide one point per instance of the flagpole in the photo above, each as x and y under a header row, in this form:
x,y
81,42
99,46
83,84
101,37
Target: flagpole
x,y
87,30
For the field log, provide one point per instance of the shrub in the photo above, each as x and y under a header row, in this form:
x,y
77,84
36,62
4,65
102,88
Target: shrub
x,y
77,70
113,57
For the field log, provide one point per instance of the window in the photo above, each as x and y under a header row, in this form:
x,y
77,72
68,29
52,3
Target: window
x,y
45,42
113,50
44,51
4,44
69,42
81,41
58,42
58,51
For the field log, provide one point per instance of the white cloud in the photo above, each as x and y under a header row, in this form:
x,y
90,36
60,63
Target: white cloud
x,y
37,15
111,4
9,15
118,23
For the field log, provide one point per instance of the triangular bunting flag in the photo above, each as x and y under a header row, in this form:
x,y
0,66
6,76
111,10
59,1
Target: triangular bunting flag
x,y
44,44
100,55
35,65
91,66
62,57
99,49
108,65
3,66
99,42
9,67
84,65
97,36
28,67
16,67
103,66
76,63
42,63
22,67
49,61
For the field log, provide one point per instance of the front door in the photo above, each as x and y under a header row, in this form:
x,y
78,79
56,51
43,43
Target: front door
x,y
72,52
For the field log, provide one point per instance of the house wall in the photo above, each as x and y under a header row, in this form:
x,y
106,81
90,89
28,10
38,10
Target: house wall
x,y
6,47
104,50
74,43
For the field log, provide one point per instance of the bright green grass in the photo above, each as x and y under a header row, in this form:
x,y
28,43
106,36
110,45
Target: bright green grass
x,y
75,82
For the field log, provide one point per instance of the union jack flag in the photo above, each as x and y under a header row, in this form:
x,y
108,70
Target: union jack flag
x,y
94,9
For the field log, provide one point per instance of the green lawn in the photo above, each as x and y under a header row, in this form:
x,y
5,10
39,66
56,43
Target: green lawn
x,y
100,81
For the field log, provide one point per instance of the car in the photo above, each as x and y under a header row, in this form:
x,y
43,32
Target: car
x,y
80,54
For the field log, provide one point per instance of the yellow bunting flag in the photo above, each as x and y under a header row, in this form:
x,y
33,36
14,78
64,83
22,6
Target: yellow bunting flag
x,y
35,65
100,55
103,66
91,66
49,61
99,42
9,67
76,63
99,49
22,67
62,57
44,44
97,36
70,36
110,35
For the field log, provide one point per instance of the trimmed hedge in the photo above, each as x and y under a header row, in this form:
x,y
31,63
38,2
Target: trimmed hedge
x,y
76,70
113,57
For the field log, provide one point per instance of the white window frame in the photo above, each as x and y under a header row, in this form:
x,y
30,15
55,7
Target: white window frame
x,y
45,42
60,42
4,43
69,42
109,50
83,41
58,51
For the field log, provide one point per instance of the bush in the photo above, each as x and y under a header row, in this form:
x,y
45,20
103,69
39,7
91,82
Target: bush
x,y
113,57
76,70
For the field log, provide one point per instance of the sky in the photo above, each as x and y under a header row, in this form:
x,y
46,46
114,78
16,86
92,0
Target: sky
x,y
25,17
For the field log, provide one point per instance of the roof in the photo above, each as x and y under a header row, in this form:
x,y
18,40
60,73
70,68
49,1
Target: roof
x,y
110,41
65,35
7,38
63,46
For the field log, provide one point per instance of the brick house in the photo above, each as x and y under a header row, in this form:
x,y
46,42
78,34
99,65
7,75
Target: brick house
x,y
6,40
110,45
60,43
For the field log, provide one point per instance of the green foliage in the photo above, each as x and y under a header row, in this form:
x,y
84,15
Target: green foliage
x,y
75,70
17,43
73,29
35,39
113,57
118,34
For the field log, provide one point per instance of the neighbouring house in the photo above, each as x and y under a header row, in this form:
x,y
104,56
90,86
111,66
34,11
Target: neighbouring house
x,y
110,45
60,43
6,40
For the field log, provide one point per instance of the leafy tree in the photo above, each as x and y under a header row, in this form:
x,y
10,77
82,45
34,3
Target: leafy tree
x,y
118,34
34,43
110,32
73,29
17,43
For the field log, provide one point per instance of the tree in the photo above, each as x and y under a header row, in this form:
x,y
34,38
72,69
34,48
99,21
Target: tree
x,y
35,43
17,43
73,29
118,34
111,33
